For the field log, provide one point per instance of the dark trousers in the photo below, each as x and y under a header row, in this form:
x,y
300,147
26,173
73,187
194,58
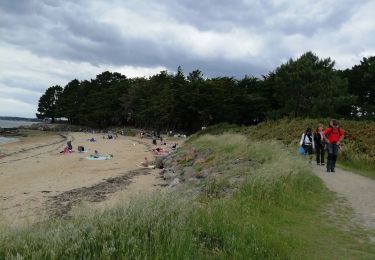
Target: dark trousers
x,y
333,150
319,153
309,151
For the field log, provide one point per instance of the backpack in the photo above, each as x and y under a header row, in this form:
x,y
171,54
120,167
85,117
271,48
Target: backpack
x,y
304,137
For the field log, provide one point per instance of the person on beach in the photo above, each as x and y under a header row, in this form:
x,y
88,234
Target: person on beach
x,y
333,136
145,163
320,145
69,145
95,155
307,142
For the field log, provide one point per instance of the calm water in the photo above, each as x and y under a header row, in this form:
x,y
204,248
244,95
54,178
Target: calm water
x,y
6,124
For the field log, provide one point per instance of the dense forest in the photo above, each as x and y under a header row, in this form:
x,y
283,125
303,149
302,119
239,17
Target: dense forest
x,y
305,87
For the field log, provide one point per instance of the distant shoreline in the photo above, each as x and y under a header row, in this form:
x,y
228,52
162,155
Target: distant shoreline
x,y
6,135
14,123
14,118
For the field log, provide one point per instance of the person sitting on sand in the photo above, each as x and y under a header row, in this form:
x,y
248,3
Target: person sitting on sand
x,y
95,155
145,163
160,151
69,145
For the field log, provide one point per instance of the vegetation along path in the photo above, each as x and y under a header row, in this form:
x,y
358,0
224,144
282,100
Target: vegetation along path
x,y
358,190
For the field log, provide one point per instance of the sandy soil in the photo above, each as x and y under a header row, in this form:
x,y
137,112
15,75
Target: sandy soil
x,y
358,190
37,182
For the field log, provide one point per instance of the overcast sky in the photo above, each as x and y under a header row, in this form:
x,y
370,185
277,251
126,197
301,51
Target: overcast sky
x,y
49,42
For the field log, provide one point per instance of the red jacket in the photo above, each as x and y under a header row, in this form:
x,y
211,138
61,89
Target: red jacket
x,y
333,134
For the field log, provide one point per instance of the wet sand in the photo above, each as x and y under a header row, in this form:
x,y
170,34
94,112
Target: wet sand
x,y
37,182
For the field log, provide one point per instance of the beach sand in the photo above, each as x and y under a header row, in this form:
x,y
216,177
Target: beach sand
x,y
37,182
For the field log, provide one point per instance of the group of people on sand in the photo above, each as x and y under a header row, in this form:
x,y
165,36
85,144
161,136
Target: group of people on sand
x,y
322,140
159,151
81,149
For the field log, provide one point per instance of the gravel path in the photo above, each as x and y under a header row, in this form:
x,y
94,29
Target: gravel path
x,y
358,190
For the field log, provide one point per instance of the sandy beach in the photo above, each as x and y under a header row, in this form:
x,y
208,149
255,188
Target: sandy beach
x,y
37,182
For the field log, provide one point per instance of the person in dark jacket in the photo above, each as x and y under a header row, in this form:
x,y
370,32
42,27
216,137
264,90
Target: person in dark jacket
x,y
320,145
69,145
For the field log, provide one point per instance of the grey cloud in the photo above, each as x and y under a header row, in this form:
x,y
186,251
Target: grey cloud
x,y
18,7
71,33
256,15
66,30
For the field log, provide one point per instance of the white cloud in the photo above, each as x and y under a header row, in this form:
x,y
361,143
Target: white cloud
x,y
14,107
169,32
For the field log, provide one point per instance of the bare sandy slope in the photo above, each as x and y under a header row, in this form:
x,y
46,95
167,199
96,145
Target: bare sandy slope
x,y
37,182
358,190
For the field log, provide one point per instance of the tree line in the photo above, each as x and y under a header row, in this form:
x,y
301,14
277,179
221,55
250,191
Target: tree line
x,y
304,87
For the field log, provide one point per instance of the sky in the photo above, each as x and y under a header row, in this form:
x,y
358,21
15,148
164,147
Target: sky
x,y
51,42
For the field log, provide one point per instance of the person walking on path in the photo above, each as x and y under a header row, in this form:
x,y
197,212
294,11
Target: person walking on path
x,y
307,142
320,145
333,136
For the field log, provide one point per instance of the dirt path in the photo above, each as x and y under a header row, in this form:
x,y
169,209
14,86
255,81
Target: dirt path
x,y
358,190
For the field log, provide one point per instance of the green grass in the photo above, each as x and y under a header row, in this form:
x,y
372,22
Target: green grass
x,y
357,152
277,211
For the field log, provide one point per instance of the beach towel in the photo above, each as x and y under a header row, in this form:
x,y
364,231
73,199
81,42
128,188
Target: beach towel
x,y
101,158
67,152
147,167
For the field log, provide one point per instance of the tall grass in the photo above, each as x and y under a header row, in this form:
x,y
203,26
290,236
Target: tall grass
x,y
276,213
357,151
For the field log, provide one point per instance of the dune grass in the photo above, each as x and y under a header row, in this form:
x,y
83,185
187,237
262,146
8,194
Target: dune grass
x,y
357,152
278,211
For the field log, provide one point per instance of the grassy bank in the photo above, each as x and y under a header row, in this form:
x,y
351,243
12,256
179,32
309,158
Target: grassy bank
x,y
357,151
259,202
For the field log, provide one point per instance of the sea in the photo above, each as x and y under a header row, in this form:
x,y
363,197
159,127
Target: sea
x,y
10,124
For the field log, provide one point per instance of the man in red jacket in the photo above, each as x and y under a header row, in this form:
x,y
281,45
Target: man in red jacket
x,y
333,136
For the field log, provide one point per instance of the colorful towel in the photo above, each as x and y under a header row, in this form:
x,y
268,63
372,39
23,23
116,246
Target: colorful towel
x,y
101,158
